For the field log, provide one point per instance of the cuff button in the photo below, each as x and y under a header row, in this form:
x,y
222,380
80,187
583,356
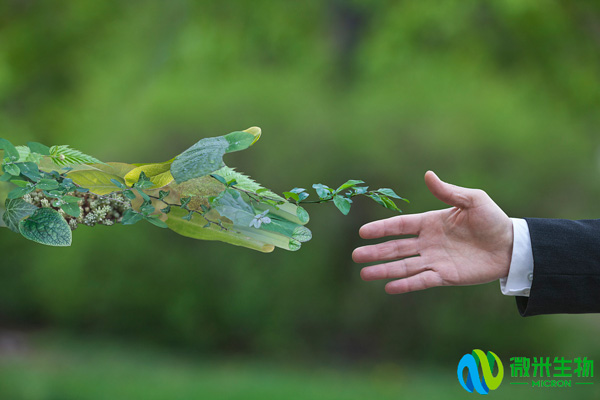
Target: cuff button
x,y
530,276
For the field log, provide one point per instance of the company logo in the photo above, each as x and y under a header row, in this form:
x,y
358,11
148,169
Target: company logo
x,y
486,381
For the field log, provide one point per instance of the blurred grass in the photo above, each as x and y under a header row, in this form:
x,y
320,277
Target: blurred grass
x,y
56,367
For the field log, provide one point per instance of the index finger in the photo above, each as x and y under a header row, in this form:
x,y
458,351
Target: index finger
x,y
399,225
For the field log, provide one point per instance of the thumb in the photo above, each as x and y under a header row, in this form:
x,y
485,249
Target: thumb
x,y
450,194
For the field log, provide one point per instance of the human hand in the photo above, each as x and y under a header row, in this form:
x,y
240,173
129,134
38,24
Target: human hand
x,y
468,244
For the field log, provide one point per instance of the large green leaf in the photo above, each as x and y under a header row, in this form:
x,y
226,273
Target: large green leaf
x,y
46,226
206,156
16,210
159,174
97,181
115,168
196,228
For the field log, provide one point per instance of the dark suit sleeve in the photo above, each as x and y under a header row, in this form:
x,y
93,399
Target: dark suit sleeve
x,y
566,267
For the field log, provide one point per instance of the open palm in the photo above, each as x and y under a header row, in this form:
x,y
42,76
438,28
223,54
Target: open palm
x,y
470,243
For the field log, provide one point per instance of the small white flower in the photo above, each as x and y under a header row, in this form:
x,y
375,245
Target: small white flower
x,y
260,219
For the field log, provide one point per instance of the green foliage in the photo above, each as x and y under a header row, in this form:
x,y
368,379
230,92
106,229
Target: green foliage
x,y
46,226
15,211
343,200
195,182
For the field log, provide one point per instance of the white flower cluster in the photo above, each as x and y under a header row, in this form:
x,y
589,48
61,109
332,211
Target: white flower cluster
x,y
105,210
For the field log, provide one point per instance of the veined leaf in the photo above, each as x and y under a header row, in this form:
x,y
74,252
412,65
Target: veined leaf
x,y
98,182
46,226
206,156
16,210
246,183
64,156
159,174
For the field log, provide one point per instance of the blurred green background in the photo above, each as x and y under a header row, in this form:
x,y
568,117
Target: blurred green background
x,y
499,95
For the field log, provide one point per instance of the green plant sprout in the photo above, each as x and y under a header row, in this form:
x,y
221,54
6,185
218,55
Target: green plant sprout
x,y
55,189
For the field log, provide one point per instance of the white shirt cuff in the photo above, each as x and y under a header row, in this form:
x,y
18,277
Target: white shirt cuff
x,y
520,274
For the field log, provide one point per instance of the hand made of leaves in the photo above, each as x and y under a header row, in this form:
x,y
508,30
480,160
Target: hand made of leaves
x,y
194,194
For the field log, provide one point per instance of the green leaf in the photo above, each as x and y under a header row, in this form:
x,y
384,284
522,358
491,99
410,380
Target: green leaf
x,y
12,169
47,184
158,175
64,156
71,199
10,151
30,170
153,219
206,156
342,203
291,195
376,198
300,192
143,182
163,194
98,182
72,209
348,184
141,193
323,191
131,217
200,228
19,182
129,194
26,155
185,201
389,203
39,148
246,183
219,178
147,209
46,226
19,192
302,215
389,193
16,210
118,183
360,189
166,210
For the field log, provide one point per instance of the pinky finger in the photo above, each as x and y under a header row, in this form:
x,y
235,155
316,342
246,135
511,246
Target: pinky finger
x,y
421,281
